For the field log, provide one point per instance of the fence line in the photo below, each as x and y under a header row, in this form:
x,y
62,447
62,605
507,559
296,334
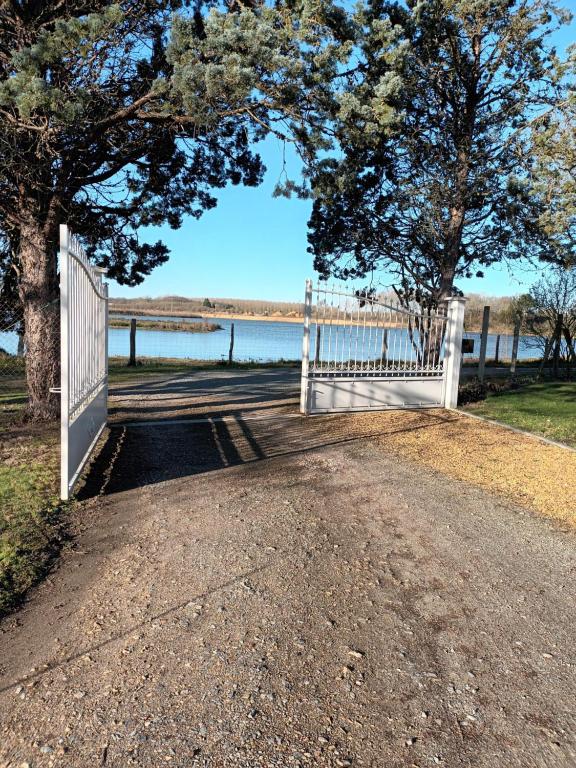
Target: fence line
x,y
256,341
262,341
12,347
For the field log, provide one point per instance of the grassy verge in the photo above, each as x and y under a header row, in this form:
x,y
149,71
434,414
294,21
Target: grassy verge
x,y
547,409
31,527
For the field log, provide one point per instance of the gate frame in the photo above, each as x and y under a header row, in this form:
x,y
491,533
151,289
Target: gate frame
x,y
449,378
79,434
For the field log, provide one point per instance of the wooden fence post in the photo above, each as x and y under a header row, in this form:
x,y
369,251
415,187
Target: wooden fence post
x,y
515,342
231,350
132,360
545,355
317,348
483,343
570,353
497,350
558,343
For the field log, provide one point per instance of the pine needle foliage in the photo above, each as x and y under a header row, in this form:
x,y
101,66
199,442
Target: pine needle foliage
x,y
117,116
430,182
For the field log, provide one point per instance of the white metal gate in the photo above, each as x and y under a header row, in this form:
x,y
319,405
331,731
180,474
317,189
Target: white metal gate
x,y
83,358
360,353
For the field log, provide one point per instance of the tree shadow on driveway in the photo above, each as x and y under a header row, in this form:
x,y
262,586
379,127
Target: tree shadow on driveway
x,y
145,454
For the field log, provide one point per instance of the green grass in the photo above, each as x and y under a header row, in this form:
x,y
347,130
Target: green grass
x,y
15,395
31,520
547,409
13,400
31,527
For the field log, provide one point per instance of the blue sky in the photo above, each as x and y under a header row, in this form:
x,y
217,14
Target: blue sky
x,y
254,246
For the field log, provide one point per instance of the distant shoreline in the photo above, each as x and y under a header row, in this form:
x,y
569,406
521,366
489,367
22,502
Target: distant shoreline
x,y
208,317
165,325
148,313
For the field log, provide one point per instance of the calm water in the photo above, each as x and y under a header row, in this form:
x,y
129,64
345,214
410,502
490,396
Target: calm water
x,y
257,340
265,341
253,340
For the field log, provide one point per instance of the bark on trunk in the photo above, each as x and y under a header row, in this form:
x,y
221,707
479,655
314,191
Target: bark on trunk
x,y
446,285
430,336
39,293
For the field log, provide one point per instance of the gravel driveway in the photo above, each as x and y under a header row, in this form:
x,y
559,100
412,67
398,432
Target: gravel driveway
x,y
256,589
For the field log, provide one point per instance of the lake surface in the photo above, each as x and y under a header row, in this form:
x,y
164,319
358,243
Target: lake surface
x,y
270,341
257,340
262,341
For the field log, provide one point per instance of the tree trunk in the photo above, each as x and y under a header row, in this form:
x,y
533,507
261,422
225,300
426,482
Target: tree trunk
x,y
446,285
571,354
39,294
431,336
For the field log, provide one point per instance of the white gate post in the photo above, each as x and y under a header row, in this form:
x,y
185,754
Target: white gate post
x,y
64,360
304,404
453,349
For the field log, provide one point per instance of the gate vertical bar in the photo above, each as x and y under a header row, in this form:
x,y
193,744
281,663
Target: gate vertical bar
x,y
304,404
64,360
453,350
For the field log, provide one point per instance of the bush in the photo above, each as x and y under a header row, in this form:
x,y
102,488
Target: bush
x,y
473,390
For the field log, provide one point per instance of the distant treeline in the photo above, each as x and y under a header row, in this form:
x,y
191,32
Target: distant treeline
x,y
501,308
502,312
178,306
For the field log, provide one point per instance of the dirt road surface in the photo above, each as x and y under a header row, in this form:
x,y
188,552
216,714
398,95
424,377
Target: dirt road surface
x,y
251,589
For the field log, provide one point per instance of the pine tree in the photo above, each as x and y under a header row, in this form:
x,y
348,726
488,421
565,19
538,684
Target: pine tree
x,y
120,115
553,146
429,183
